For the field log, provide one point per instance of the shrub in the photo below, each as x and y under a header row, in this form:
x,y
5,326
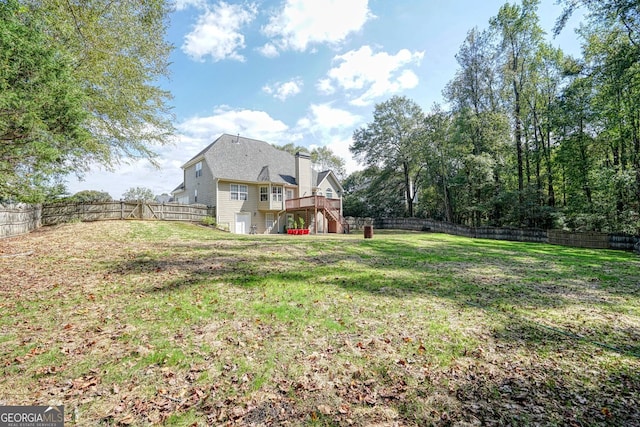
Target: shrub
x,y
209,220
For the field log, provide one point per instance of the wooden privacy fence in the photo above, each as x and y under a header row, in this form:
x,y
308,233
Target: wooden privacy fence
x,y
22,218
64,212
592,240
582,240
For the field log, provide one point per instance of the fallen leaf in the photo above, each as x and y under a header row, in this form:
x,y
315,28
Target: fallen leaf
x,y
324,409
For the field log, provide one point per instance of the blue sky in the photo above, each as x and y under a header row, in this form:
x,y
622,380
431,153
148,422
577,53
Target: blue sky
x,y
302,71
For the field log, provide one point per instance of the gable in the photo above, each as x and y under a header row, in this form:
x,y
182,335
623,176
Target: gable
x,y
328,178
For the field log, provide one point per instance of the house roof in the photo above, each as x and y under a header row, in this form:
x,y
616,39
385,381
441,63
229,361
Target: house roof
x,y
322,175
235,157
178,188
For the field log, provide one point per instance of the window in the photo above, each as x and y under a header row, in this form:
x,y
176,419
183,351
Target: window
x,y
195,196
264,194
289,194
276,194
239,192
269,221
198,169
329,193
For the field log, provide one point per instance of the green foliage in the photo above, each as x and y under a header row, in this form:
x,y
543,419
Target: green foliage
x,y
324,159
138,193
88,196
209,220
533,138
373,192
120,54
290,148
43,121
78,85
392,143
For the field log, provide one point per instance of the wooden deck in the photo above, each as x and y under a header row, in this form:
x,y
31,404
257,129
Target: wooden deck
x,y
330,207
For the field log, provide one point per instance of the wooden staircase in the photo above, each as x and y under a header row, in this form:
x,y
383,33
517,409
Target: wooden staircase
x,y
335,215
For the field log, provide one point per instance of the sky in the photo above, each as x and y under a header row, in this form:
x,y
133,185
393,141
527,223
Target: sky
x,y
307,72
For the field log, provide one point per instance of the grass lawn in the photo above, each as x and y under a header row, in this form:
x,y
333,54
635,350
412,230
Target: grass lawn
x,y
144,323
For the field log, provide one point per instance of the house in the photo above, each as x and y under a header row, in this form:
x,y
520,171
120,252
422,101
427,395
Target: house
x,y
255,187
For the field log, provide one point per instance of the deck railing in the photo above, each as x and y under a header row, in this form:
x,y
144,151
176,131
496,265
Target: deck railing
x,y
320,202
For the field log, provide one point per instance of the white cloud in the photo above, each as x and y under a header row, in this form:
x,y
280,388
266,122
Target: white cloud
x,y
268,50
340,146
282,91
135,173
325,119
185,4
249,123
325,87
140,172
331,127
374,74
301,23
217,32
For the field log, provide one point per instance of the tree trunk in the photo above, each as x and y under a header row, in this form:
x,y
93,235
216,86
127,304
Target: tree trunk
x,y
518,138
407,189
551,196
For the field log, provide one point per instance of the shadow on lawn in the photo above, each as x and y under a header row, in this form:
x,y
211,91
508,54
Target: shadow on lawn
x,y
487,275
495,279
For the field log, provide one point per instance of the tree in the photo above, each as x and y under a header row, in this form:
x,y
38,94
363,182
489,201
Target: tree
x,y
547,79
373,192
88,196
520,35
322,159
479,126
96,96
624,14
134,194
290,148
607,80
120,54
43,123
392,143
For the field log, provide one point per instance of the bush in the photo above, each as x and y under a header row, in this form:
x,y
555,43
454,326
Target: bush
x,y
209,220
